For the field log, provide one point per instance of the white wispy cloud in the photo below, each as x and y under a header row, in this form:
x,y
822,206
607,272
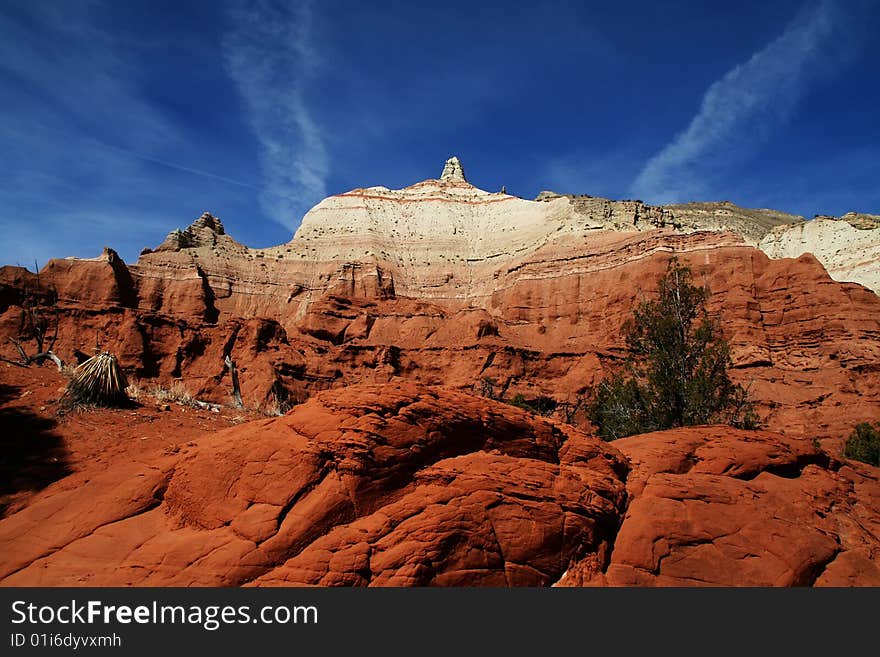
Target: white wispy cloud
x,y
69,73
740,109
88,157
270,57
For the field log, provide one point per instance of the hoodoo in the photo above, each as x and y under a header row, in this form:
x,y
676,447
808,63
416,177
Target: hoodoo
x,y
453,171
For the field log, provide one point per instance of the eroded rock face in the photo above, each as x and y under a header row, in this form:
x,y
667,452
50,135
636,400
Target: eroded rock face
x,y
206,231
375,485
848,247
384,478
548,324
752,224
407,485
446,284
713,506
92,284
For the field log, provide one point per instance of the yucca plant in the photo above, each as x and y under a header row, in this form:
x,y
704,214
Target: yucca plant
x,y
99,381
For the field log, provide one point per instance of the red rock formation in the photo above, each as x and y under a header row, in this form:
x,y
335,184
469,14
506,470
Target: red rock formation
x,y
442,284
548,325
715,506
403,485
388,485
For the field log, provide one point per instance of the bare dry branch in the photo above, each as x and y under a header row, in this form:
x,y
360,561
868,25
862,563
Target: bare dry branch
x,y
236,390
25,359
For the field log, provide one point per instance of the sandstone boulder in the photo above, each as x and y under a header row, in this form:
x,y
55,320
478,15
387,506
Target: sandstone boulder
x,y
714,506
374,485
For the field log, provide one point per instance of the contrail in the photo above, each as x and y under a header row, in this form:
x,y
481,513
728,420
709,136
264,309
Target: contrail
x,y
172,165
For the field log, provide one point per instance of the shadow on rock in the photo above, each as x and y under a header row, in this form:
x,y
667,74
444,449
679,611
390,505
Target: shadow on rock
x,y
32,455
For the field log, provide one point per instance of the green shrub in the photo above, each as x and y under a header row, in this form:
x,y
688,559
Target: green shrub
x,y
541,405
863,444
620,408
676,370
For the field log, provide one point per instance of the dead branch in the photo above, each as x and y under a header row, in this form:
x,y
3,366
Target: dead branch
x,y
25,359
58,362
36,358
54,336
51,356
35,324
206,405
236,390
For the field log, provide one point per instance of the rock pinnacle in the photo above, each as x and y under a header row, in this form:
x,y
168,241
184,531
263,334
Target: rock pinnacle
x,y
453,171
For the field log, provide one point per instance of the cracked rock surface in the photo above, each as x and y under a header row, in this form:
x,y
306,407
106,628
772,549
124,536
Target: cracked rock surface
x,y
407,485
714,506
386,485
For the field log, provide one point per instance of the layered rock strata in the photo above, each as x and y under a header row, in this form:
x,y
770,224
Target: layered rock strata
x,y
444,283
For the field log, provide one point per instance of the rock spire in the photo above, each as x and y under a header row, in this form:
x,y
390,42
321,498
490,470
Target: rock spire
x,y
453,171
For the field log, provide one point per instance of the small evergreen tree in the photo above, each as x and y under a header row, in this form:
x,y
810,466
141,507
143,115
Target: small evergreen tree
x,y
863,444
541,405
676,373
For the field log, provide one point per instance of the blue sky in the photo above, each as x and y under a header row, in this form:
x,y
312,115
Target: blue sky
x,y
121,121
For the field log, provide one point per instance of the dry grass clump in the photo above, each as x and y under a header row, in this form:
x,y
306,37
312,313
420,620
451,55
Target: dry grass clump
x,y
176,393
135,392
274,405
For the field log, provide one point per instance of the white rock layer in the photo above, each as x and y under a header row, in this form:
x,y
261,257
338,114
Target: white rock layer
x,y
447,237
848,253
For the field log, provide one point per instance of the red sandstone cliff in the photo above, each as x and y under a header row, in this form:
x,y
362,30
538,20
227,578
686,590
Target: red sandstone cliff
x,y
442,284
546,322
